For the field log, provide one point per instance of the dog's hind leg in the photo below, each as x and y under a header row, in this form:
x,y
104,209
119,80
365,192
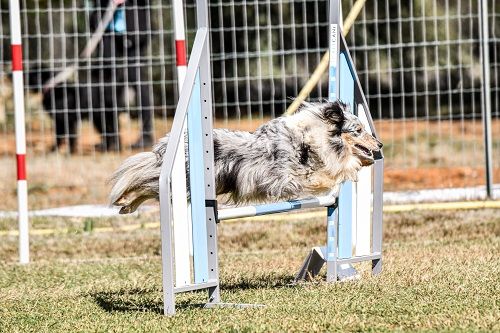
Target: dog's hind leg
x,y
128,207
136,180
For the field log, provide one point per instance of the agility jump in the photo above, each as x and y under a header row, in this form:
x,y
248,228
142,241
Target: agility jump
x,y
356,210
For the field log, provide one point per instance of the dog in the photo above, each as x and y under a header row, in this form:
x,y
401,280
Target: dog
x,y
68,104
104,92
307,154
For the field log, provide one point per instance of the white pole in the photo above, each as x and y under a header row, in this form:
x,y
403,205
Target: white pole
x,y
182,244
486,98
364,200
18,86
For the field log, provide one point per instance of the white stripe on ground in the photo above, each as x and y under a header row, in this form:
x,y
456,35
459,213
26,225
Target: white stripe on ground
x,y
390,198
440,195
78,211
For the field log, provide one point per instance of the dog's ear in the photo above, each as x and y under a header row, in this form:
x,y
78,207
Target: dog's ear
x,y
333,113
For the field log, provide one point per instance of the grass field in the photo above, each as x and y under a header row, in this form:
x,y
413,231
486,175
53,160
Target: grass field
x,y
441,273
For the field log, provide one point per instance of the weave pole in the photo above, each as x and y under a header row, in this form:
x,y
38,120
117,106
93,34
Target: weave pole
x,y
18,88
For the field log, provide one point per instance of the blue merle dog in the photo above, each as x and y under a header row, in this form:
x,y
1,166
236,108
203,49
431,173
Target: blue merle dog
x,y
307,154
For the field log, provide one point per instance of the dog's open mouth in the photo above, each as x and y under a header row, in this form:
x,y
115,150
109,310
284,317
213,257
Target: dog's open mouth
x,y
367,152
364,154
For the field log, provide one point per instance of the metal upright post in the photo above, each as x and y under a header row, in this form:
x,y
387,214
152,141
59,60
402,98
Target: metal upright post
x,y
486,97
207,125
331,244
378,202
333,86
166,247
333,94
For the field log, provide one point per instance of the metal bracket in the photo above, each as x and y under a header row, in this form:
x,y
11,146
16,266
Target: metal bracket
x,y
213,204
314,262
312,265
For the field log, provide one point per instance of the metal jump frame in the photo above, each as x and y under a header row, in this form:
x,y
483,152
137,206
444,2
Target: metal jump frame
x,y
195,109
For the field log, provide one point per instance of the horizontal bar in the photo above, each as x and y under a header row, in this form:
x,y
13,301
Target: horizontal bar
x,y
232,305
352,260
198,286
279,207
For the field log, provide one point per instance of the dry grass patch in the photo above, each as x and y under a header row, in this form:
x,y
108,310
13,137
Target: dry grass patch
x,y
441,273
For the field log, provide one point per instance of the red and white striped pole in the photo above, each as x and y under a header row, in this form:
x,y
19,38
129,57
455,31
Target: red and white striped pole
x,y
180,42
18,88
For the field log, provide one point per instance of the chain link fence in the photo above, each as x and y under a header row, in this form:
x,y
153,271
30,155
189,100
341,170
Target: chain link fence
x,y
419,63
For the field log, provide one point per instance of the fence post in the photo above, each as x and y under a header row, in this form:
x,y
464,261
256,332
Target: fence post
x,y
486,97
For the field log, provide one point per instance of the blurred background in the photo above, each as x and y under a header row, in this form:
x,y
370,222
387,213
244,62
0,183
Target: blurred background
x,y
419,63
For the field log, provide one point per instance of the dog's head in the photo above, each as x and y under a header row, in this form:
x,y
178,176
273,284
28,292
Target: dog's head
x,y
341,137
348,135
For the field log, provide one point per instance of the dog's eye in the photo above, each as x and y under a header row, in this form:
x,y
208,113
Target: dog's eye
x,y
359,130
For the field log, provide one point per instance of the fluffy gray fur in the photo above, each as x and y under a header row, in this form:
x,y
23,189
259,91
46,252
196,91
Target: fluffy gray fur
x,y
307,154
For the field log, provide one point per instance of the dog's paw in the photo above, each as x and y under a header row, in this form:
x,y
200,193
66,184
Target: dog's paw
x,y
126,210
122,201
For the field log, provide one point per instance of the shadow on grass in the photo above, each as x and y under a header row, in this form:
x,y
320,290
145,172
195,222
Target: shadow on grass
x,y
271,280
138,300
149,300
125,300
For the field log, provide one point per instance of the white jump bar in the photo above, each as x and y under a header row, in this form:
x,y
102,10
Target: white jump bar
x,y
279,207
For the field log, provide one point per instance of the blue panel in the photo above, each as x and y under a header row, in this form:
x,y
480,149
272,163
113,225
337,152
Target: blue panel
x,y
197,185
346,89
333,84
333,73
345,198
331,245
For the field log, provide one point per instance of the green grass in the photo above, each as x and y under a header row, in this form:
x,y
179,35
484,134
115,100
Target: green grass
x,y
441,273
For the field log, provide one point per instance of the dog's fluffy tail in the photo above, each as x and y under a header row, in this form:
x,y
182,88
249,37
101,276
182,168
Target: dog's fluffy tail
x,y
136,180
